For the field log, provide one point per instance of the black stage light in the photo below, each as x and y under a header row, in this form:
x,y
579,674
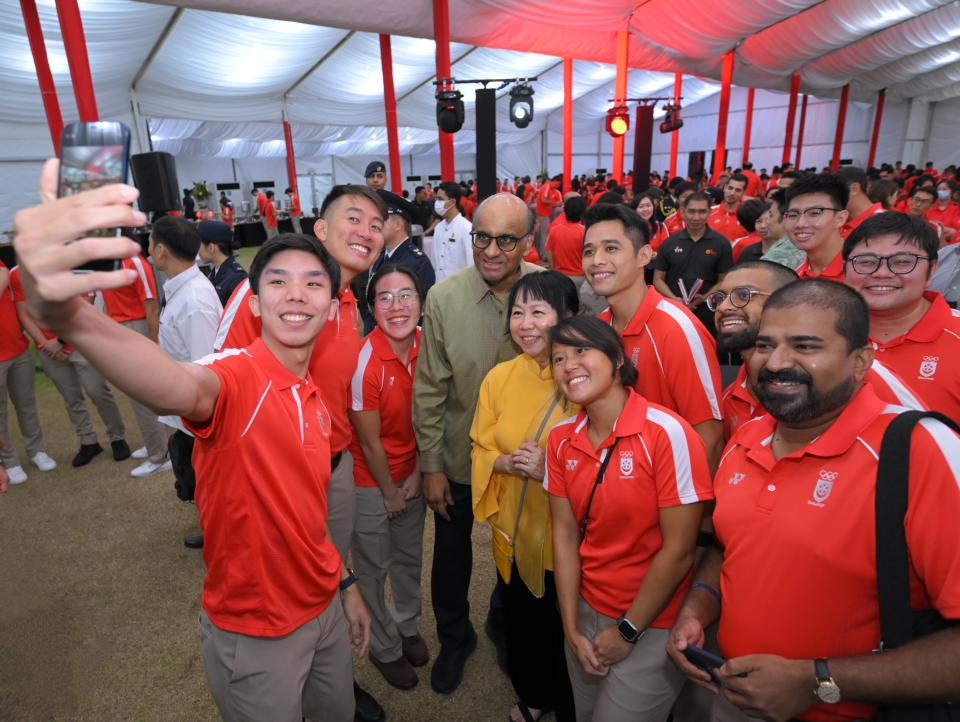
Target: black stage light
x,y
618,121
449,110
672,121
521,105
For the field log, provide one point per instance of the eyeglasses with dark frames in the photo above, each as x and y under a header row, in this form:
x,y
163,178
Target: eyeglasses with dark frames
x,y
505,242
898,263
811,214
739,297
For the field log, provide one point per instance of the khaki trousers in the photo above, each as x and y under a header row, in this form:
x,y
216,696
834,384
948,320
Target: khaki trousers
x,y
72,376
306,673
17,381
642,686
341,505
153,432
385,547
295,222
271,232
724,711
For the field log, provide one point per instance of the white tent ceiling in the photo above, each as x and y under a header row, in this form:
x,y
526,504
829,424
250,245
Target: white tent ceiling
x,y
217,83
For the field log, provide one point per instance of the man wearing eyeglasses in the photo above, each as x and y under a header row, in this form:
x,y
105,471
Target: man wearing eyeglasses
x,y
463,338
816,211
890,259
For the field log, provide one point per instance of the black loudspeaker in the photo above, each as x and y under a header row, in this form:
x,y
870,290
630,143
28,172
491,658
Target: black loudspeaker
x,y
486,143
155,176
696,165
642,148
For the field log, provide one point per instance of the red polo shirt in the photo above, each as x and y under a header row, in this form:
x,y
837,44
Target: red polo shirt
x,y
743,243
262,201
12,341
263,466
546,194
928,356
799,568
725,222
383,383
833,271
660,462
754,184
295,205
16,288
565,244
126,303
949,216
674,223
269,214
850,226
676,358
334,355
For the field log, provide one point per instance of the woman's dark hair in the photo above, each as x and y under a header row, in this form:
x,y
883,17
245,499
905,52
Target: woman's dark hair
x,y
549,286
385,270
294,242
591,332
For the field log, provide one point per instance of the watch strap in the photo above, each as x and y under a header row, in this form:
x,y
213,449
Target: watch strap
x,y
821,670
348,580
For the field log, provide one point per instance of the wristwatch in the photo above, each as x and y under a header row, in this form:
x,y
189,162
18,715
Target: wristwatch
x,y
827,690
348,580
628,631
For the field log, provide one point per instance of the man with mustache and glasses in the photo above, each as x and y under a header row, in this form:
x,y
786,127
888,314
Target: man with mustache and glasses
x,y
792,579
737,303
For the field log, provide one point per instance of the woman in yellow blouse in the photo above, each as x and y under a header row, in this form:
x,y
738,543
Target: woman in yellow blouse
x,y
518,405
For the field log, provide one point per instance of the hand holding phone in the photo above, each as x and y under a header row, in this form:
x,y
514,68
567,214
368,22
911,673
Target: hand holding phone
x,y
707,661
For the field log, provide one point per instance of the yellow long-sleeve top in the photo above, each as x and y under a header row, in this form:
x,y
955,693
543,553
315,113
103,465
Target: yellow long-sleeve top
x,y
514,398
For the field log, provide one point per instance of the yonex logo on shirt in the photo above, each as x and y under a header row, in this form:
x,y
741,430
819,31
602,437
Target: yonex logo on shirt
x,y
736,478
823,488
571,464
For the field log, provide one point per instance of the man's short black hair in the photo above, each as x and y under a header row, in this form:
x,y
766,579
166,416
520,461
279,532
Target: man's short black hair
x,y
634,227
748,213
917,188
294,242
881,189
778,198
909,230
349,189
851,174
574,208
453,191
851,312
177,235
684,187
739,178
610,197
551,287
829,185
781,275
591,332
696,196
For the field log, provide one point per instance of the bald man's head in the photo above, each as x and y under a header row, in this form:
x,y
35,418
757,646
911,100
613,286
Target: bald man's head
x,y
501,238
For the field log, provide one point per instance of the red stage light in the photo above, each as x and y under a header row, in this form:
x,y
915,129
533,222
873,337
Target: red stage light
x,y
618,121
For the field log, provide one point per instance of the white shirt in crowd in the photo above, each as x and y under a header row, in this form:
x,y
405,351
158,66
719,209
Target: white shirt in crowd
x,y
452,249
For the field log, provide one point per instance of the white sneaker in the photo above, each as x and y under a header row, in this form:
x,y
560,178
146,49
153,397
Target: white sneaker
x,y
140,453
148,468
43,462
16,474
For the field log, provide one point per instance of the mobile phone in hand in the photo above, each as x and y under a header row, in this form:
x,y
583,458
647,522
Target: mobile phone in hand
x,y
707,661
93,155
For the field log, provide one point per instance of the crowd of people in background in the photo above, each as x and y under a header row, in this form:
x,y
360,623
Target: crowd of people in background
x,y
670,406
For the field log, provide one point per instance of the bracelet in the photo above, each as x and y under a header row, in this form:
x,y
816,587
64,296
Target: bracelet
x,y
707,588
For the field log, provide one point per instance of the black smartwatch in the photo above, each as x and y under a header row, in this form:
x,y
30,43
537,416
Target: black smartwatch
x,y
348,580
628,631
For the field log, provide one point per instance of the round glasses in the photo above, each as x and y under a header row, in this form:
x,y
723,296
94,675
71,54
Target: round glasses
x,y
384,301
507,243
739,297
898,263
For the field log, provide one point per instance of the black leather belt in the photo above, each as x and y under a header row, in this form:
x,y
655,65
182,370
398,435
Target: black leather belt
x,y
335,461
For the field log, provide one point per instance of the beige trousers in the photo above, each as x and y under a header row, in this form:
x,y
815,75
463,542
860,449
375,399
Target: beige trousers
x,y
341,505
385,547
72,376
17,381
153,432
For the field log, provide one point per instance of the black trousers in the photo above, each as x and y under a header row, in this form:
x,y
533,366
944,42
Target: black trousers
x,y
452,565
535,657
180,448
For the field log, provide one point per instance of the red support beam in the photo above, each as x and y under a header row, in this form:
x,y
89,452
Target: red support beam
x,y
620,94
877,120
726,79
291,162
841,122
441,33
48,90
567,124
803,123
75,45
675,135
791,116
748,125
390,105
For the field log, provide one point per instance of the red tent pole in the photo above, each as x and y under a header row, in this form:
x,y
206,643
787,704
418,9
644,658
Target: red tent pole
x,y
748,125
720,152
441,33
75,45
675,135
791,113
877,119
291,163
841,122
567,123
620,94
48,90
803,123
390,105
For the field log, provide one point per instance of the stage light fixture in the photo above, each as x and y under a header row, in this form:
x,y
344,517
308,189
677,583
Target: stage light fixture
x,y
672,121
449,110
521,105
618,120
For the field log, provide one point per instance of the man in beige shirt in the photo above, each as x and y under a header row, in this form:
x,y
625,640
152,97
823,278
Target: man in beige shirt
x,y
464,337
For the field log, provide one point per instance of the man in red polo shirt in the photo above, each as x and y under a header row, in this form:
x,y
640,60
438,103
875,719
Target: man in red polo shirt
x,y
548,198
816,211
793,578
890,259
294,198
675,355
565,240
674,222
270,216
859,205
262,457
754,184
723,217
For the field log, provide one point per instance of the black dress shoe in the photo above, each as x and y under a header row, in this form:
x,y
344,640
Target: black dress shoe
x,y
86,454
120,450
447,672
193,541
368,709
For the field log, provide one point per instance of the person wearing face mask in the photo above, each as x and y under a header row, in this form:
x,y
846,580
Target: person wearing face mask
x,y
451,236
517,406
944,211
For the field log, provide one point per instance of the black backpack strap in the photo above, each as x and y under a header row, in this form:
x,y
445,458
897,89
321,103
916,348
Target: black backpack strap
x,y
893,578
